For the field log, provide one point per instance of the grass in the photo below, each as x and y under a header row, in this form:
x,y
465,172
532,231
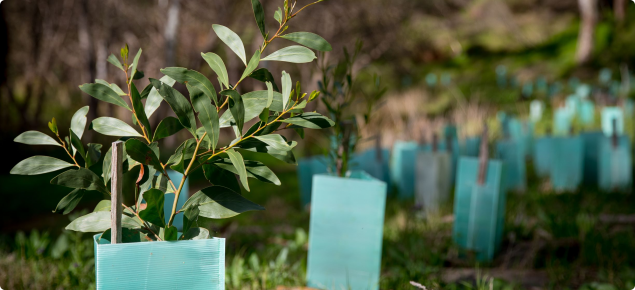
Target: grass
x,y
560,236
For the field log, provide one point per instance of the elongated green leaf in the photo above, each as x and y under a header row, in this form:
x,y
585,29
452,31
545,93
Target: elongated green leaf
x,y
221,177
269,95
127,235
263,75
36,138
310,120
142,153
285,156
104,93
179,104
39,165
81,178
99,221
218,66
168,234
264,115
190,218
114,127
103,205
294,54
168,127
254,102
286,88
275,141
310,40
232,40
135,62
115,61
78,121
146,91
69,202
219,202
259,13
194,78
207,114
196,234
77,144
93,153
154,211
236,108
239,164
154,98
278,15
184,152
253,63
113,87
255,169
139,111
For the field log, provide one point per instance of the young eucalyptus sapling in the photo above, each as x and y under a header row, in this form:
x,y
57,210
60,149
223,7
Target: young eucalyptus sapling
x,y
276,109
340,94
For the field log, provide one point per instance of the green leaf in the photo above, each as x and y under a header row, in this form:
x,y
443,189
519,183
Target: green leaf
x,y
207,114
39,165
259,13
269,95
310,120
104,93
78,121
179,104
53,126
264,116
36,138
154,98
138,110
169,234
285,156
255,169
99,222
310,40
81,178
196,233
168,127
236,108
294,54
135,62
263,75
194,78
278,15
219,202
239,164
221,177
286,88
253,63
69,202
275,141
146,91
77,144
142,153
113,87
127,236
184,152
115,61
114,127
232,40
218,66
93,153
190,217
254,102
154,213
103,205
300,132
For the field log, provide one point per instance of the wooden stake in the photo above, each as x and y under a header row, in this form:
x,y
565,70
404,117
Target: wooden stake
x,y
378,152
116,181
434,142
614,121
483,157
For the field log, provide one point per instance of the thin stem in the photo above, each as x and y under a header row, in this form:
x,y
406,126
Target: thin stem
x,y
185,174
143,130
144,222
69,153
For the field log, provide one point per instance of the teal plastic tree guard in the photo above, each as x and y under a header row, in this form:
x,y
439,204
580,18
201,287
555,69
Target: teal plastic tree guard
x,y
587,113
536,108
306,169
402,168
615,164
608,114
591,149
479,210
572,104
433,180
566,163
471,146
346,232
522,133
542,156
514,176
192,264
562,122
629,107
369,162
169,199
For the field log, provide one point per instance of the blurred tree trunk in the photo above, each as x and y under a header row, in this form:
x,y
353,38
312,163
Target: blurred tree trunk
x,y
588,14
171,28
90,64
618,9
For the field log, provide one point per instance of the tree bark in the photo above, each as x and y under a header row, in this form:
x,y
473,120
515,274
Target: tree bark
x,y
588,15
618,10
90,64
